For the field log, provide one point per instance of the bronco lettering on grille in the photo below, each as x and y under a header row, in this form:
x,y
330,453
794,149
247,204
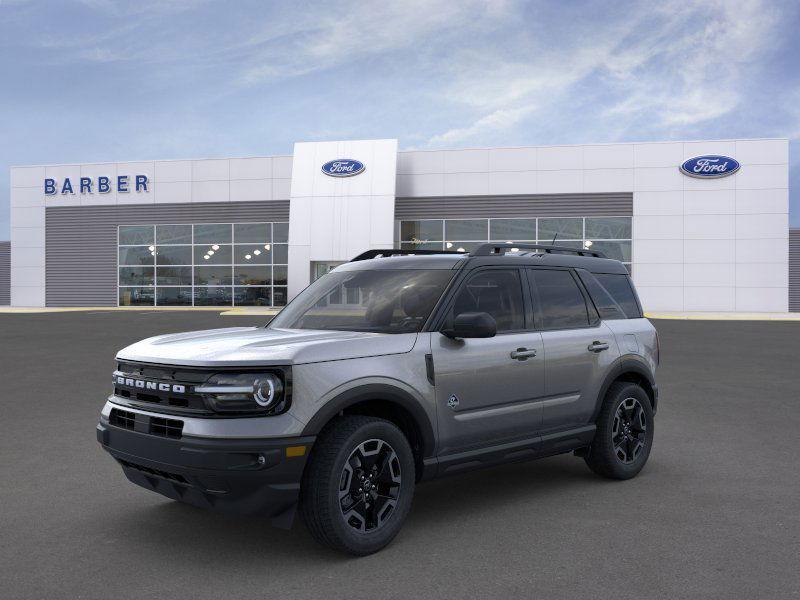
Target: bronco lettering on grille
x,y
150,385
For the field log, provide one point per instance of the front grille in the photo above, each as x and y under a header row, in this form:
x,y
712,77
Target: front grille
x,y
195,402
160,426
172,428
157,472
122,418
147,377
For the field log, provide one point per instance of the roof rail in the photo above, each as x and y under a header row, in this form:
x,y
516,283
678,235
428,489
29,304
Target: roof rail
x,y
502,248
369,254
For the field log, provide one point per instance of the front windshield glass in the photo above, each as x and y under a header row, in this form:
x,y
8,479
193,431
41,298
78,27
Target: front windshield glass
x,y
376,301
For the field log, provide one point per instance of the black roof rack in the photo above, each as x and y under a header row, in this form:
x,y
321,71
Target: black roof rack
x,y
490,249
369,254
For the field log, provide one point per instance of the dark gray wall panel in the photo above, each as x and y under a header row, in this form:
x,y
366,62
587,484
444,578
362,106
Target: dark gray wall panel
x,y
545,205
82,241
794,270
5,273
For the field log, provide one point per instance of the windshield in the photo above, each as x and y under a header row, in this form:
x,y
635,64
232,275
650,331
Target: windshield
x,y
375,301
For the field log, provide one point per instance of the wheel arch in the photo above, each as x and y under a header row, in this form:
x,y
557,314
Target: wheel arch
x,y
387,402
634,370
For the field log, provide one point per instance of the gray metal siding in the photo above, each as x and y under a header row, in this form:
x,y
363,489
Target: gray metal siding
x,y
545,205
5,273
794,270
82,241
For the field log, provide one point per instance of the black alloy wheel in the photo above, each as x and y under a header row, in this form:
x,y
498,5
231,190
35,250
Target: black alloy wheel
x,y
629,433
370,485
358,485
624,434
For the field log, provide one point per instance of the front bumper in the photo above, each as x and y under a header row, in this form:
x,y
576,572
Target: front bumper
x,y
240,476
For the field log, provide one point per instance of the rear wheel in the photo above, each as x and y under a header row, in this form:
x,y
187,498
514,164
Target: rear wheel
x,y
357,489
624,434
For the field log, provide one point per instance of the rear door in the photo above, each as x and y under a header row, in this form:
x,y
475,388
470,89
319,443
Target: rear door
x,y
578,347
488,390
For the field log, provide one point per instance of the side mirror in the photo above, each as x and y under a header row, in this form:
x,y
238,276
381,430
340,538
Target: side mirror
x,y
472,325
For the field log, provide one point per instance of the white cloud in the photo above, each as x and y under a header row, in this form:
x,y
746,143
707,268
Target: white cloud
x,y
670,65
321,40
693,74
500,119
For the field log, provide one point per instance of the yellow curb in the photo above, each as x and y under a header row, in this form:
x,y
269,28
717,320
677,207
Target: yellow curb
x,y
724,316
247,312
31,310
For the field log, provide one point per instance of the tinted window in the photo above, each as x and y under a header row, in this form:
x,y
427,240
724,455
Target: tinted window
x,y
496,292
606,305
619,287
131,235
505,230
561,303
466,229
560,229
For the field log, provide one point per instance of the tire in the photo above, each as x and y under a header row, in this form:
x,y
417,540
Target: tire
x,y
624,433
350,520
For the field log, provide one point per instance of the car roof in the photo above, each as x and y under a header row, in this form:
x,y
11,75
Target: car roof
x,y
459,260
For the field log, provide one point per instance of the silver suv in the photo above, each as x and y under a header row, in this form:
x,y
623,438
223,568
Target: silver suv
x,y
396,367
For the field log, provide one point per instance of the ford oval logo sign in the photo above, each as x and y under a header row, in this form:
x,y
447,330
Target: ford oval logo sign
x,y
343,167
710,166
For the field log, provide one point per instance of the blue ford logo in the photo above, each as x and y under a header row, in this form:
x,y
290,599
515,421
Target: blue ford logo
x,y
710,166
343,167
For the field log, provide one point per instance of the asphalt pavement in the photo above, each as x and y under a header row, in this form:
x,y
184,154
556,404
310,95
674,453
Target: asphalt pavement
x,y
714,514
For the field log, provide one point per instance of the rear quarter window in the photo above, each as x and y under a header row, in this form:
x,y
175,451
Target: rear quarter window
x,y
620,289
605,304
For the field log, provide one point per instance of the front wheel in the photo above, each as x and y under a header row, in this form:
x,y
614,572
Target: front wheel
x,y
358,485
624,433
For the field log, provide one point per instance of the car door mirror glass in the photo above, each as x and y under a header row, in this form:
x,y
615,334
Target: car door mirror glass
x,y
472,325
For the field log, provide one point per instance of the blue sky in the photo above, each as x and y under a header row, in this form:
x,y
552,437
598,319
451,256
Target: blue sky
x,y
96,80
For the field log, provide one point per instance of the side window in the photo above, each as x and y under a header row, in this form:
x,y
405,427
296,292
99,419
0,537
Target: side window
x,y
606,305
561,303
497,292
619,287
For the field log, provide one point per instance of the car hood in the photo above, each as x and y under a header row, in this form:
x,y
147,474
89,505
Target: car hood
x,y
235,346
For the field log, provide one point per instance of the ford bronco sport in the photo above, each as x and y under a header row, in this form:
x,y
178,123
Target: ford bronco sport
x,y
397,367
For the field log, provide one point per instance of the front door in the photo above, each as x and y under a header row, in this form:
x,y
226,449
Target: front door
x,y
488,390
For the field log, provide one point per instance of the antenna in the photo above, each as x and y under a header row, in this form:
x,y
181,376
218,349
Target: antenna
x,y
553,243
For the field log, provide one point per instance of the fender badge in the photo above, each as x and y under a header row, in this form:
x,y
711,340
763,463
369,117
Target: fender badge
x,y
452,402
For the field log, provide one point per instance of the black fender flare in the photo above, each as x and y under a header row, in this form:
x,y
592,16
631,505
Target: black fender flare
x,y
627,364
375,391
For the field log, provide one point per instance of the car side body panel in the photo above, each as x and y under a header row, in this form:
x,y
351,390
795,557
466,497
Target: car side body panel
x,y
574,374
324,389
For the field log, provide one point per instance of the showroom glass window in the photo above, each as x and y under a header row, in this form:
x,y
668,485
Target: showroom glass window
x,y
610,235
208,264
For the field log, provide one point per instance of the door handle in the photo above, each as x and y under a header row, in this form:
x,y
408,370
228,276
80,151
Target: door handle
x,y
523,354
598,346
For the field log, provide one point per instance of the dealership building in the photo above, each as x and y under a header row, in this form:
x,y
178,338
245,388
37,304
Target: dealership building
x,y
701,225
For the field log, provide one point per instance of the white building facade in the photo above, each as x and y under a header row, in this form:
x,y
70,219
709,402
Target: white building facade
x,y
256,231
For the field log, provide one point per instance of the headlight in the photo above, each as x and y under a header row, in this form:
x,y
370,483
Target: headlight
x,y
244,392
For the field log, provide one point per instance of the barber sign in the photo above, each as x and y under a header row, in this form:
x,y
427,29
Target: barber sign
x,y
710,166
343,167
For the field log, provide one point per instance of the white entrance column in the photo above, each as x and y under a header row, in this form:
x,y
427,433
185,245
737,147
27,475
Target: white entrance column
x,y
336,218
